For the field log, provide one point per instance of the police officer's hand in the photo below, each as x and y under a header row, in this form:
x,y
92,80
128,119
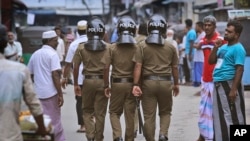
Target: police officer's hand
x,y
77,89
175,90
107,92
136,91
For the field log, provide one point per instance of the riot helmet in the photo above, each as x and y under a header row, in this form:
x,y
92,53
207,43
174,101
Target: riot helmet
x,y
95,34
126,29
3,37
157,27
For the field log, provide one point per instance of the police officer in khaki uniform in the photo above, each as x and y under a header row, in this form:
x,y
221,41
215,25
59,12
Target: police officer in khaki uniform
x,y
95,102
120,57
157,61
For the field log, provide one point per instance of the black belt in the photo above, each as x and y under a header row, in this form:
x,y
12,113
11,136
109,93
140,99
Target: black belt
x,y
93,76
156,77
122,80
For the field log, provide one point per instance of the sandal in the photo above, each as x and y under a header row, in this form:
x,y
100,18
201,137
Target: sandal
x,y
80,130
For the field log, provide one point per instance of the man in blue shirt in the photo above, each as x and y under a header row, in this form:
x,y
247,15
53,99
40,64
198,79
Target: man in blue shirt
x,y
188,60
228,98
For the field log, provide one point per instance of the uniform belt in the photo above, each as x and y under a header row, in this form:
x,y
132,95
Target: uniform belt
x,y
93,76
156,77
122,80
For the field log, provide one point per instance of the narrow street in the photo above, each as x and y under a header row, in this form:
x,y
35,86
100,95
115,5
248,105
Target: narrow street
x,y
184,119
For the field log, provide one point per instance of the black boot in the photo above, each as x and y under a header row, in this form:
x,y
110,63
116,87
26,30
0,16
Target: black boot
x,y
163,138
118,139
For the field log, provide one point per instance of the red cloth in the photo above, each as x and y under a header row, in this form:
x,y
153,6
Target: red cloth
x,y
207,46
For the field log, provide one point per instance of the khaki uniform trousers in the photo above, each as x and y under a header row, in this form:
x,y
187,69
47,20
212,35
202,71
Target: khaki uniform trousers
x,y
94,103
156,92
122,99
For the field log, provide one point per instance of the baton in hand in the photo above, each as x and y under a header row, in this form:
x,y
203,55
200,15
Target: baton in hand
x,y
139,115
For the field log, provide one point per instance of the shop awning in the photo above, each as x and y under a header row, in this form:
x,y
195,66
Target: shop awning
x,y
19,5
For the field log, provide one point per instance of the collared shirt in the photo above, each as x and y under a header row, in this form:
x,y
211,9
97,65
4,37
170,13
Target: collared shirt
x,y
41,64
15,85
120,57
91,59
198,53
228,56
71,52
11,49
156,60
207,46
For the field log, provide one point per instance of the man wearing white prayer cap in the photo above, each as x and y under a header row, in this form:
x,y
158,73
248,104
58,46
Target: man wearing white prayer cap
x,y
45,68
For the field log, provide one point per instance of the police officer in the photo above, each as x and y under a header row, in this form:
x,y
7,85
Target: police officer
x,y
156,60
95,102
120,57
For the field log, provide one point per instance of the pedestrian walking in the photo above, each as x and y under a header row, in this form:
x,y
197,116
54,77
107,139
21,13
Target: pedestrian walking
x,y
205,122
81,29
61,45
227,75
16,84
93,97
155,61
45,69
121,99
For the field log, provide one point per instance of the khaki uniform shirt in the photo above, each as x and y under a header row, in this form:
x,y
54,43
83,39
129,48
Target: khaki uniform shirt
x,y
156,60
120,57
91,60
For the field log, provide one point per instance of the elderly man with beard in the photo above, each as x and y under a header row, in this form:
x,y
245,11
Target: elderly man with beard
x,y
14,50
170,38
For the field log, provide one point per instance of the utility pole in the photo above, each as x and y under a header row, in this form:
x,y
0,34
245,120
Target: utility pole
x,y
84,3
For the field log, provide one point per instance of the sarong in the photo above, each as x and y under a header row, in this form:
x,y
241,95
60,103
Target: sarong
x,y
205,122
226,113
51,108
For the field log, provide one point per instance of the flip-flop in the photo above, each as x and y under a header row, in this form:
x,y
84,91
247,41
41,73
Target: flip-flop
x,y
80,131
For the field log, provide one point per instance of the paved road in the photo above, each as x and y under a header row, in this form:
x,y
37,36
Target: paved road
x,y
183,122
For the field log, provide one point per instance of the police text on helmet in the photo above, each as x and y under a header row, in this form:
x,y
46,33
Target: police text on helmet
x,y
95,29
127,25
156,24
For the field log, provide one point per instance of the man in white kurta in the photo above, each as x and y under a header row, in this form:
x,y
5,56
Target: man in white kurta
x,y
45,67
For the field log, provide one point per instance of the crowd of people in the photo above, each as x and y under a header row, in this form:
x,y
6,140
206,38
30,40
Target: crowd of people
x,y
146,63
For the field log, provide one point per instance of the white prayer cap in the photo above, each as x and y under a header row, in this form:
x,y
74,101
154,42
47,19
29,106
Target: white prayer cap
x,y
82,25
49,34
170,31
